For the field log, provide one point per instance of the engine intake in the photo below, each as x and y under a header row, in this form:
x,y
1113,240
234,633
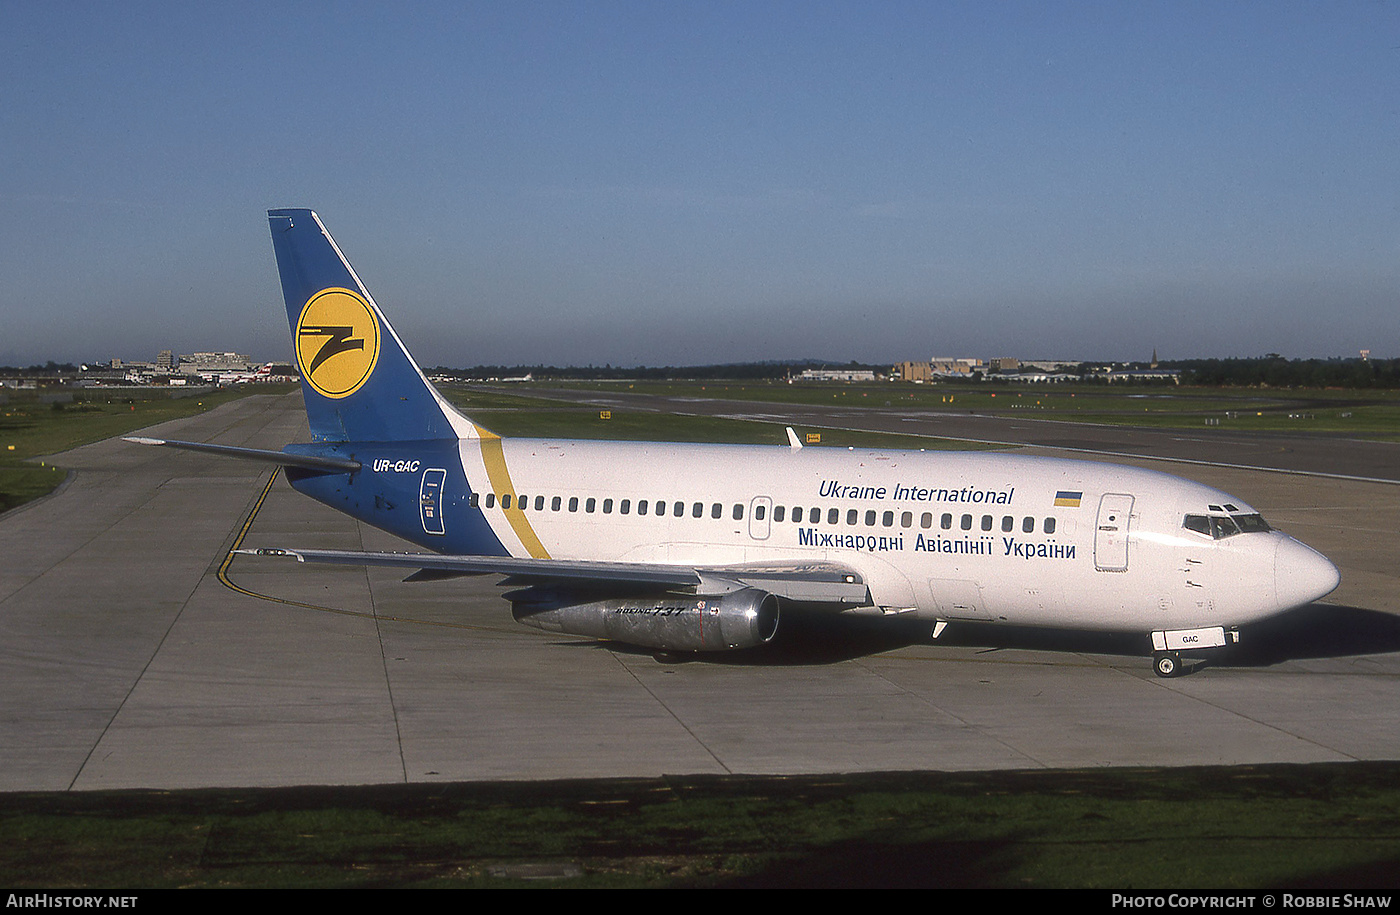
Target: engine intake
x,y
675,622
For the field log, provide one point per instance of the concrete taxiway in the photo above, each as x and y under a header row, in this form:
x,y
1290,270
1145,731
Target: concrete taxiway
x,y
136,653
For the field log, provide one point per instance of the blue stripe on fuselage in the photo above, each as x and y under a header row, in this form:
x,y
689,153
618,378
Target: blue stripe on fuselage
x,y
387,492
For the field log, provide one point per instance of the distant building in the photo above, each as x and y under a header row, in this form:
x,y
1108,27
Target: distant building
x,y
917,372
211,364
1050,365
1143,375
837,375
956,368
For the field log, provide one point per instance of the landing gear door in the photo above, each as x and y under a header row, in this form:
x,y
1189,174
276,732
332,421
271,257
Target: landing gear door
x,y
430,500
1111,532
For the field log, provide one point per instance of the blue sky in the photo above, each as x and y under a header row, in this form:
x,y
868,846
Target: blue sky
x,y
684,183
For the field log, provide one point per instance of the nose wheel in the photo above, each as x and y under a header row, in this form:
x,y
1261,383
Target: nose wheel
x,y
1166,663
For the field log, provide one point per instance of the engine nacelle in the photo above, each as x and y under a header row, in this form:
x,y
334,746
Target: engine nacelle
x,y
675,622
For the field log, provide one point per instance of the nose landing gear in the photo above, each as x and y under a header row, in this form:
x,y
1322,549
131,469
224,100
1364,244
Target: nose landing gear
x,y
1166,663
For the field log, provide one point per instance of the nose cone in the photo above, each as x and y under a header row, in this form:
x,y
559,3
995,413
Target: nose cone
x,y
1302,574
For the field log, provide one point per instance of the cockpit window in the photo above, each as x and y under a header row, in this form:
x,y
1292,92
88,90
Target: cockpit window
x,y
1218,527
1252,523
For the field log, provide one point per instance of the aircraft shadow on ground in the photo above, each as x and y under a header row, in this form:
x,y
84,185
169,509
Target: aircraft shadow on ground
x,y
1314,631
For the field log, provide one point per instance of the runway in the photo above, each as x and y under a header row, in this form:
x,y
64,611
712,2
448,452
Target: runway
x,y
134,654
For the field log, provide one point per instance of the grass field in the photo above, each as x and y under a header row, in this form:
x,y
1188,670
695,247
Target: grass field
x,y
1330,825
1357,414
516,414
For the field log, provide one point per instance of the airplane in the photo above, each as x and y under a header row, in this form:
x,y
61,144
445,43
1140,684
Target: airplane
x,y
687,548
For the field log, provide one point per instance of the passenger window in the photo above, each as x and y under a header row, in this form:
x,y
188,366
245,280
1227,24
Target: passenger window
x,y
474,500
1028,525
946,522
573,503
660,508
778,512
697,510
926,520
607,506
906,519
554,504
1008,523
738,511
590,505
642,506
678,509
986,522
717,510
870,519
852,516
539,503
833,516
1049,526
797,515
758,512
887,519
624,506
490,500
505,501
966,522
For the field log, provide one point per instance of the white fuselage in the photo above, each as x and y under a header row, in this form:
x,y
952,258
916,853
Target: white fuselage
x,y
946,535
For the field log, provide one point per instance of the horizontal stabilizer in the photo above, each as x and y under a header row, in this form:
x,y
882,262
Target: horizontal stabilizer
x,y
305,461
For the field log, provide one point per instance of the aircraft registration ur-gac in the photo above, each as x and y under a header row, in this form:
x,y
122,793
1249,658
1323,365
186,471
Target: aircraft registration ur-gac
x,y
706,547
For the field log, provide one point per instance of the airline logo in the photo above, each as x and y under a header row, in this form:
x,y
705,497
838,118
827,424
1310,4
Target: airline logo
x,y
337,342
1065,499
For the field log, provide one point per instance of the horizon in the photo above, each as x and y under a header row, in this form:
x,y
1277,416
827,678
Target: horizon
x,y
93,365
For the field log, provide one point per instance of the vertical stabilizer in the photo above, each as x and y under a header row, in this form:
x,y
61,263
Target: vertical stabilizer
x,y
360,382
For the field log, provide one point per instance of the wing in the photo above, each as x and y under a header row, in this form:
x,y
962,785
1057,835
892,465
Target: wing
x,y
805,582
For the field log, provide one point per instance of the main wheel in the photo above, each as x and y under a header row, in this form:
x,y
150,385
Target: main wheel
x,y
1167,663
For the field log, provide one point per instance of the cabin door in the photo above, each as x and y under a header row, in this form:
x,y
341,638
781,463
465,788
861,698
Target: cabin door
x,y
1111,532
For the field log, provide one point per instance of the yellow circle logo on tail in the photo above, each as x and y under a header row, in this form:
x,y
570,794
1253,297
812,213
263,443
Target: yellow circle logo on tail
x,y
337,342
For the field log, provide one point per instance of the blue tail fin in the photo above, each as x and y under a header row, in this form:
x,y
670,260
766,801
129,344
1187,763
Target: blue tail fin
x,y
360,383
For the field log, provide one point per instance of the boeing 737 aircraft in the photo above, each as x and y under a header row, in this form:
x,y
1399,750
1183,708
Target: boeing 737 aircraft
x,y
687,548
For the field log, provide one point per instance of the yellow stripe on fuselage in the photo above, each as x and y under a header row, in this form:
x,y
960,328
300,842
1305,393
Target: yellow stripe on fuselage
x,y
494,458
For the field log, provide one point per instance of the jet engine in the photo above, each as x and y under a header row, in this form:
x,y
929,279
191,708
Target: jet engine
x,y
673,622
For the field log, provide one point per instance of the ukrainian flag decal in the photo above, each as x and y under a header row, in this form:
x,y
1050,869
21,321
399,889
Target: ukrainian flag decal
x,y
1064,499
337,342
